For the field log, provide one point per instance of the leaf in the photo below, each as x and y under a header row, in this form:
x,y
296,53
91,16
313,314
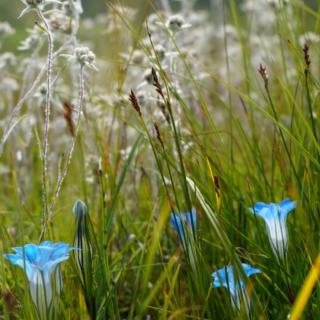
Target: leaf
x,y
305,292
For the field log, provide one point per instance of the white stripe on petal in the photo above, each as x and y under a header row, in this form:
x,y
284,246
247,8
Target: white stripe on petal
x,y
278,235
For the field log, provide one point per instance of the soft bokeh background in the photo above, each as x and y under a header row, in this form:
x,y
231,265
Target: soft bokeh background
x,y
258,137
10,9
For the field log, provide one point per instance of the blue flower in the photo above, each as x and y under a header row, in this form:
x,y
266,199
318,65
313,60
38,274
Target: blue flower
x,y
41,263
182,221
225,277
275,217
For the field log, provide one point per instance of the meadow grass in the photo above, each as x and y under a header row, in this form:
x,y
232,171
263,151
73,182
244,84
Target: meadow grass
x,y
213,125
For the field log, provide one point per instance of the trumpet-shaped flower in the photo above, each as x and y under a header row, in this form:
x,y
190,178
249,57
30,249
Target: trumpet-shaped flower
x,y
180,221
41,264
225,277
275,217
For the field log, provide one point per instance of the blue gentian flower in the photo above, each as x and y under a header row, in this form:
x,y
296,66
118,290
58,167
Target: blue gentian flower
x,y
180,221
275,217
225,277
42,265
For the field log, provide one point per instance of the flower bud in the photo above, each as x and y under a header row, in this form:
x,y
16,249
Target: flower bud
x,y
82,239
84,255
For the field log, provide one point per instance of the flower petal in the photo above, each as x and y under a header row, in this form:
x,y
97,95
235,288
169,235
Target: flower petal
x,y
287,205
250,270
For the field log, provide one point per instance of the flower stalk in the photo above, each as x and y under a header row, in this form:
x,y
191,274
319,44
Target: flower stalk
x,y
47,124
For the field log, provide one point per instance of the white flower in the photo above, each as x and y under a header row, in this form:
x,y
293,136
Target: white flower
x,y
73,8
309,37
6,29
35,4
31,41
85,57
7,59
176,23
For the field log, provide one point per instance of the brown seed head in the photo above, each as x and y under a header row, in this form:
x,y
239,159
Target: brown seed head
x,y
134,102
264,74
307,60
158,134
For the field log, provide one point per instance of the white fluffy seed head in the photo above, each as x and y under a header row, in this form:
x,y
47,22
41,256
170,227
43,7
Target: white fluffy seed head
x,y
175,22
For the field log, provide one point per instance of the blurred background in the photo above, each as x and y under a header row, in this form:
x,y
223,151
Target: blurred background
x,y
10,10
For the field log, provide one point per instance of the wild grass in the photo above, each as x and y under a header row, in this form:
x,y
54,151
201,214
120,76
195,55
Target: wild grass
x,y
214,112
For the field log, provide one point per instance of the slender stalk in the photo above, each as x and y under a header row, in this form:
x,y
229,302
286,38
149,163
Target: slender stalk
x,y
309,102
17,108
225,43
45,147
73,143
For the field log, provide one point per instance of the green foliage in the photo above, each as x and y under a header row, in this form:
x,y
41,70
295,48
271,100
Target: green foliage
x,y
249,134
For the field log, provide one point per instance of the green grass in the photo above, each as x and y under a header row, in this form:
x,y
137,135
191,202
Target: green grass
x,y
249,141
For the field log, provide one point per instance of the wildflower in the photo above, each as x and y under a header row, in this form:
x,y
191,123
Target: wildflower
x,y
59,22
73,8
6,29
31,41
182,221
225,277
9,84
85,57
7,59
309,37
275,216
160,51
137,57
40,94
176,23
42,265
35,5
